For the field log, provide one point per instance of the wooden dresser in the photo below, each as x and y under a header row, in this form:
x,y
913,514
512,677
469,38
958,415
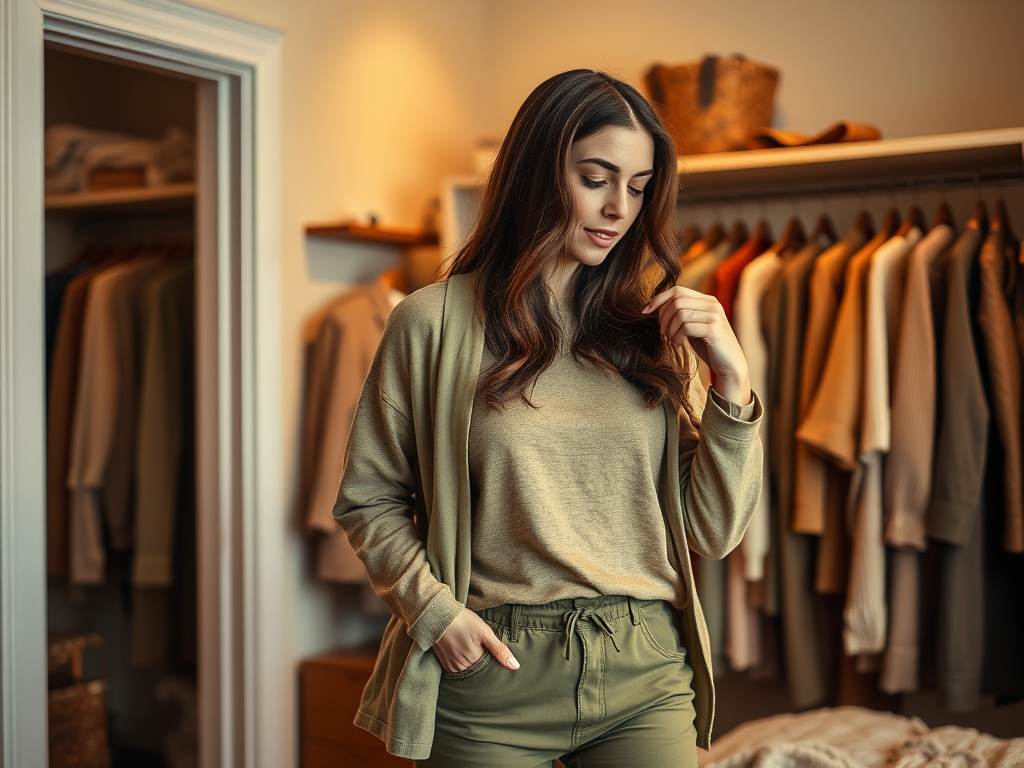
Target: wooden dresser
x,y
329,691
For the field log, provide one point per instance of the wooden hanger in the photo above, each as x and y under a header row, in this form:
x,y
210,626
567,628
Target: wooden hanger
x,y
890,223
914,218
86,256
737,234
792,238
688,235
824,227
979,216
864,225
762,233
714,235
1001,220
944,215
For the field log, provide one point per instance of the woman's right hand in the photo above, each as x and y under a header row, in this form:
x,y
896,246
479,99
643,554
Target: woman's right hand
x,y
466,640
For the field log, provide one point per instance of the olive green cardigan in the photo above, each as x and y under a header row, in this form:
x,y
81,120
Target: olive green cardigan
x,y
404,502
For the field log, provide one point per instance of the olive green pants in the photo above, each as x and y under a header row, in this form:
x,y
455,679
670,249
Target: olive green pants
x,y
602,682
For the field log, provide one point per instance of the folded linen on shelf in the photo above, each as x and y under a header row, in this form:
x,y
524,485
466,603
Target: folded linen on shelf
x,y
75,154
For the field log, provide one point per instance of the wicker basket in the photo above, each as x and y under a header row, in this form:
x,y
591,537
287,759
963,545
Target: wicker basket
x,y
714,104
78,708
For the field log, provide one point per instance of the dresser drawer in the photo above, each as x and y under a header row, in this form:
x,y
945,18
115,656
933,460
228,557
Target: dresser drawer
x,y
330,689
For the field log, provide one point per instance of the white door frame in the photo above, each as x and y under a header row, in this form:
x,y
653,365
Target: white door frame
x,y
240,496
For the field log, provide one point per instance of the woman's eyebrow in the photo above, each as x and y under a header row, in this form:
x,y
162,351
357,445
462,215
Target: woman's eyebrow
x,y
612,167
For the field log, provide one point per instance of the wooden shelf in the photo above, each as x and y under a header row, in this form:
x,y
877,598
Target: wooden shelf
x,y
366,234
168,197
987,154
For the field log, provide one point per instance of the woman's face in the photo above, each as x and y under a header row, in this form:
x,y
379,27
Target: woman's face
x,y
608,172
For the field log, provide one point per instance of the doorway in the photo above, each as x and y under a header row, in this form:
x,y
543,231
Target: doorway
x,y
232,67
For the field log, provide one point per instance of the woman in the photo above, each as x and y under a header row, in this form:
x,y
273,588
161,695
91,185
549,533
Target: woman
x,y
526,474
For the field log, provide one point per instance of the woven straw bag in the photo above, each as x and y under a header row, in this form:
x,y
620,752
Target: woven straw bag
x,y
714,104
78,708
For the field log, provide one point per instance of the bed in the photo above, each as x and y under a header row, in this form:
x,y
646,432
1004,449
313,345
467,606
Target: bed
x,y
853,737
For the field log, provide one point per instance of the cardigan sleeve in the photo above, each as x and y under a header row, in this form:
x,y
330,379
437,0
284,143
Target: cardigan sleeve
x,y
377,499
720,474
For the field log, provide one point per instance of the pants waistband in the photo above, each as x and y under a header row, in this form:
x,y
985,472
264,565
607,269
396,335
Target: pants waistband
x,y
555,615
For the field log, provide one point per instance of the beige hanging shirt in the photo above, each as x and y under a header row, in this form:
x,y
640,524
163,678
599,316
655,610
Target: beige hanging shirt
x,y
908,465
103,427
347,340
754,281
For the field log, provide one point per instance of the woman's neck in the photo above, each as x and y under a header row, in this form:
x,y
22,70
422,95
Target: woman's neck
x,y
559,277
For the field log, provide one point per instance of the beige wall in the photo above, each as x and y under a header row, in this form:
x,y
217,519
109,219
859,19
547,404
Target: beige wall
x,y
383,98
912,67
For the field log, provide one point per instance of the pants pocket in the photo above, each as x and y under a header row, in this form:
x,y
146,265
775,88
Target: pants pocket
x,y
660,632
476,668
481,664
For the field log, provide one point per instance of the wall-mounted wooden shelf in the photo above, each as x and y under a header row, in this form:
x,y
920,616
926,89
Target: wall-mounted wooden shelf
x,y
366,234
985,154
170,197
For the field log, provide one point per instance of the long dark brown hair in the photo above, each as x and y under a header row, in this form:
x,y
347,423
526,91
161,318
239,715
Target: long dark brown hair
x,y
524,225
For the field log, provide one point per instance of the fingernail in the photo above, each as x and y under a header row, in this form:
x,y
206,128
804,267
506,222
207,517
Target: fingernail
x,y
512,663
646,309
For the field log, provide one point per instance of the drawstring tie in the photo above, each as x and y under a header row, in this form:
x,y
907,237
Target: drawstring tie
x,y
586,614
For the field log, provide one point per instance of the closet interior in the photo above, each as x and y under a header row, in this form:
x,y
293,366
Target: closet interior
x,y
120,350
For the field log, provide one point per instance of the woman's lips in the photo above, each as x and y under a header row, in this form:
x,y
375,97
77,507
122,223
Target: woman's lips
x,y
602,238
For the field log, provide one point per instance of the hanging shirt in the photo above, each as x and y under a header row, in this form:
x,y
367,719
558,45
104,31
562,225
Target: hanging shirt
x,y
346,343
753,283
784,307
956,505
59,417
165,409
104,428
998,265
908,465
824,291
865,615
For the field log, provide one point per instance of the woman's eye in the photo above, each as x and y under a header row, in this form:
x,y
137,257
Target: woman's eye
x,y
592,183
635,192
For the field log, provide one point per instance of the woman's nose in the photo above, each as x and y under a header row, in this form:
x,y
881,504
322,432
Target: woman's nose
x,y
615,207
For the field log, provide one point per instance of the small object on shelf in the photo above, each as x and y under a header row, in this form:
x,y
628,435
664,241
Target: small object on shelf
x,y
116,178
372,234
842,132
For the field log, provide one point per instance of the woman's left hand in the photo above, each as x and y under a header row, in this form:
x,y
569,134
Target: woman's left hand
x,y
686,315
